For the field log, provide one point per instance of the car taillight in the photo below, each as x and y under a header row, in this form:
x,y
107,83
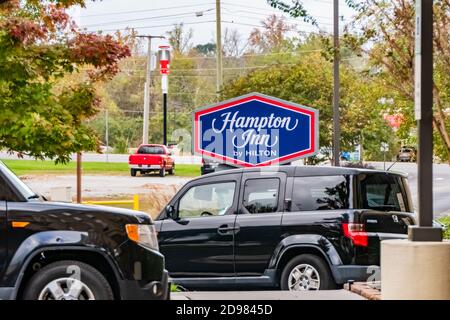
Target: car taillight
x,y
356,232
203,162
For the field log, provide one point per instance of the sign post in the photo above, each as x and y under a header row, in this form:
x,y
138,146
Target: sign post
x,y
424,116
164,61
255,130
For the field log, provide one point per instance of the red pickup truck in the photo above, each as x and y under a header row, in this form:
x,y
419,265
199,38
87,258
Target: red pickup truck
x,y
150,158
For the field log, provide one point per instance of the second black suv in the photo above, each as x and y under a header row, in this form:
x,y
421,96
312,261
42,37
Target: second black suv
x,y
294,228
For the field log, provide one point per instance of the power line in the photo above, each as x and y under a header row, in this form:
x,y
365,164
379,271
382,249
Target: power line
x,y
259,26
146,10
156,26
268,14
179,15
290,21
243,56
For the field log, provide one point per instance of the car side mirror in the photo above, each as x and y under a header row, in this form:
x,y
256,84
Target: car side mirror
x,y
171,212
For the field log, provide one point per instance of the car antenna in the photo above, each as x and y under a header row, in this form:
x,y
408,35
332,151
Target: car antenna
x,y
391,165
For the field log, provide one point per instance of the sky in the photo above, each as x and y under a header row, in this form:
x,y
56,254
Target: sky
x,y
157,17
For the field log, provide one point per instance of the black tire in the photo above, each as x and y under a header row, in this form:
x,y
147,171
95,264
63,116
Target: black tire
x,y
133,172
172,170
88,275
326,280
162,172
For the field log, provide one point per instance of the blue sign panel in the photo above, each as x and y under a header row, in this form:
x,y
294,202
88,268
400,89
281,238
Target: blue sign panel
x,y
255,130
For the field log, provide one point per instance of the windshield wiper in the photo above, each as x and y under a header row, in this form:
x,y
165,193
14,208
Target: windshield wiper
x,y
34,196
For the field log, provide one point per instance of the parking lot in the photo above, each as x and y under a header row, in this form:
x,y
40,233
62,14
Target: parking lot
x,y
98,186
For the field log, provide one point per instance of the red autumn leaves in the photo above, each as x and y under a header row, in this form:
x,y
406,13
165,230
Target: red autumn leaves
x,y
54,25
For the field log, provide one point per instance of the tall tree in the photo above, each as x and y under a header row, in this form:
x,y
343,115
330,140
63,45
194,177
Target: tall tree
x,y
388,27
39,47
180,39
271,36
385,32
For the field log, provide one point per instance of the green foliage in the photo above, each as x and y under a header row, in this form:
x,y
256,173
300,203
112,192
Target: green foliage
x,y
124,132
38,167
309,82
446,222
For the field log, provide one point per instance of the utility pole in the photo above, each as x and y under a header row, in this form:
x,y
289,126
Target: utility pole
x,y
147,86
424,116
336,88
219,72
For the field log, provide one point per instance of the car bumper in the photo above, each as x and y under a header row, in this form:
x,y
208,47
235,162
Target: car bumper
x,y
344,273
145,167
143,276
138,290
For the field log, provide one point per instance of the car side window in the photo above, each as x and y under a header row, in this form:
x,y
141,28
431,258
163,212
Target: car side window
x,y
207,200
5,191
261,195
320,193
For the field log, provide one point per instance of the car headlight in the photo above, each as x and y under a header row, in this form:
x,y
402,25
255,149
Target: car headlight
x,y
144,234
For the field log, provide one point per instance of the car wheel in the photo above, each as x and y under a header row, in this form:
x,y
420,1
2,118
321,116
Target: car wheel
x,y
162,172
306,272
133,172
172,170
68,280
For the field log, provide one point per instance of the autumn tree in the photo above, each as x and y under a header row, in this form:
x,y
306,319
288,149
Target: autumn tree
x,y
179,39
384,31
271,35
39,46
390,26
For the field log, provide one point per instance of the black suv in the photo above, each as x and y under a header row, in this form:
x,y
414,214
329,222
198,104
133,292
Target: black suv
x,y
294,228
61,251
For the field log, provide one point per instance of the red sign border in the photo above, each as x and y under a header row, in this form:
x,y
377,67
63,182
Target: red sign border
x,y
266,99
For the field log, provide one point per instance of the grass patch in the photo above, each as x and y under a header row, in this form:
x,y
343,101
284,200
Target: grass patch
x,y
446,222
36,167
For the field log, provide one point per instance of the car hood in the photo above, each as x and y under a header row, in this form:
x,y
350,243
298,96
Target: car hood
x,y
126,215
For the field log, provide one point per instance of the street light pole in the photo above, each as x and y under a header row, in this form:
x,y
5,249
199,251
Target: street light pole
x,y
147,86
164,62
424,116
336,87
219,73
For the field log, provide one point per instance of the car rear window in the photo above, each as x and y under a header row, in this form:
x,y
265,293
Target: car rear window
x,y
382,192
320,193
151,150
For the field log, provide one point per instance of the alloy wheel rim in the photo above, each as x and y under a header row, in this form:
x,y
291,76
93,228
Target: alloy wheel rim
x,y
304,277
66,289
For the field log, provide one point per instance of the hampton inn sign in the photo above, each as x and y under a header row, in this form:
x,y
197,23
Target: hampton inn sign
x,y
255,130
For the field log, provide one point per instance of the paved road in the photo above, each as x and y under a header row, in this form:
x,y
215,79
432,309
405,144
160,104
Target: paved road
x,y
267,295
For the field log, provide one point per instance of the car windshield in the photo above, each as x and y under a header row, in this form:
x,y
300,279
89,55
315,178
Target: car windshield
x,y
151,150
18,184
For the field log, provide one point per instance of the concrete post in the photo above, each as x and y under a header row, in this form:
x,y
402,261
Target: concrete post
x,y
415,270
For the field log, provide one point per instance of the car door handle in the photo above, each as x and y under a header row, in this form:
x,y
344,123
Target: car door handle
x,y
224,229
